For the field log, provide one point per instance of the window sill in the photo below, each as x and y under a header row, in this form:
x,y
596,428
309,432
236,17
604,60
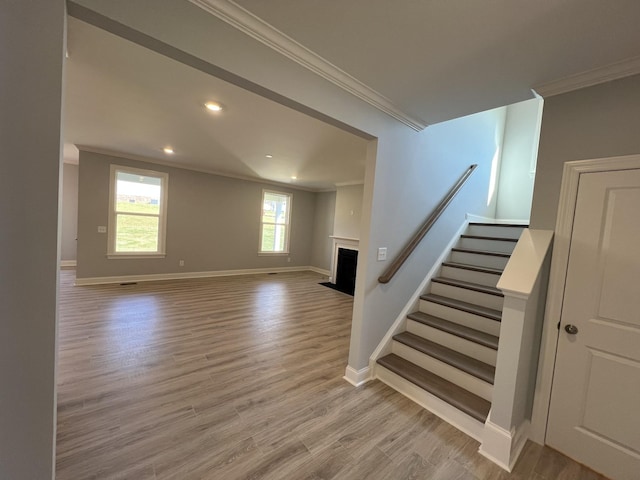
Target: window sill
x,y
122,256
273,254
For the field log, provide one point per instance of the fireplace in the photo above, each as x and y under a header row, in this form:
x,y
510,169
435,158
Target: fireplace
x,y
347,264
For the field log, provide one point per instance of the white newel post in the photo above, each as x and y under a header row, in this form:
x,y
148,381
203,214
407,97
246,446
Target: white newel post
x,y
523,283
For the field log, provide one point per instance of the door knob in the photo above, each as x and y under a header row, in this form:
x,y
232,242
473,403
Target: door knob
x,y
571,329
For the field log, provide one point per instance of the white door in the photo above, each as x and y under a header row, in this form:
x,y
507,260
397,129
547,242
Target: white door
x,y
594,414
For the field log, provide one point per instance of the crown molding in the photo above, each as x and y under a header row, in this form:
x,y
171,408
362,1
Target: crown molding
x,y
165,163
607,73
248,23
350,184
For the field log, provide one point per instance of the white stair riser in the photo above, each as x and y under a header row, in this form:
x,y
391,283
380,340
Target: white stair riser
x,y
487,245
459,344
494,231
466,295
479,260
481,278
470,320
435,405
444,370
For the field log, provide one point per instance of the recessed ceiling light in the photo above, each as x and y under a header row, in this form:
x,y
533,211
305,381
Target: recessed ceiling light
x,y
168,150
294,177
268,155
213,106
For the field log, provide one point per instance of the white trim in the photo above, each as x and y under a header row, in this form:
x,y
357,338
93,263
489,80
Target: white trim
x,y
555,293
349,184
186,275
321,271
349,239
68,263
165,163
248,23
286,224
503,447
338,243
357,377
521,274
134,255
613,71
400,323
113,213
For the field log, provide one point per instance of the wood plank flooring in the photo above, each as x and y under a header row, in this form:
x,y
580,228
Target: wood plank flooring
x,y
241,378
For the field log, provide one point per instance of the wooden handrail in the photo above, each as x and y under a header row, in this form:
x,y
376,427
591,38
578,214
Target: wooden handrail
x,y
419,235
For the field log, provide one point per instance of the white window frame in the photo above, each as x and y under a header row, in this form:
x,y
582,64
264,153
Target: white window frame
x,y
162,216
287,223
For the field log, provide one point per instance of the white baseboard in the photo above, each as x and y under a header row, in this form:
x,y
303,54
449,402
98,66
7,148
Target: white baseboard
x,y
187,275
68,263
321,271
399,325
357,377
503,447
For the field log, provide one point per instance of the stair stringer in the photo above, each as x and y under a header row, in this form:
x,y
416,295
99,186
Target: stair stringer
x,y
400,323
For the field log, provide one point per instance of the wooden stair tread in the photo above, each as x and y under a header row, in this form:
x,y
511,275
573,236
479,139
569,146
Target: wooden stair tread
x,y
470,365
456,396
464,306
481,252
476,336
473,268
483,237
469,286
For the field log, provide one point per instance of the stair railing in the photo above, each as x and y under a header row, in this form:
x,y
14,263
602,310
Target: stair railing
x,y
426,226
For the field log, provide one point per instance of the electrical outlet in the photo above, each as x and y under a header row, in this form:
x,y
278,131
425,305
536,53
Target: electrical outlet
x,y
181,263
382,254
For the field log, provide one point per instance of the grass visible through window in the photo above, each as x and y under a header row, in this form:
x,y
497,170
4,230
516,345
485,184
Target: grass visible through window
x,y
136,233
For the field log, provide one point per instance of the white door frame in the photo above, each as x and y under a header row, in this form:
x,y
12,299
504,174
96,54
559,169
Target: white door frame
x,y
557,278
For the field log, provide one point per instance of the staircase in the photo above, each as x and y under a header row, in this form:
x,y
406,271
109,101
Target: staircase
x,y
445,359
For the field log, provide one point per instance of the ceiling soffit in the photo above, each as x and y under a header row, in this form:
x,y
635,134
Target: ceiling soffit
x,y
255,27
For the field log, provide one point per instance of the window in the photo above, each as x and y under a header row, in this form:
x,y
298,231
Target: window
x,y
274,222
137,212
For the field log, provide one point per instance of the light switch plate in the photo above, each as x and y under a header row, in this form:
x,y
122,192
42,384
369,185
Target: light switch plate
x,y
102,229
382,254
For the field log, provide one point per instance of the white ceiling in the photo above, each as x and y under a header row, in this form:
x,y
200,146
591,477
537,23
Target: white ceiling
x,y
432,59
123,98
439,59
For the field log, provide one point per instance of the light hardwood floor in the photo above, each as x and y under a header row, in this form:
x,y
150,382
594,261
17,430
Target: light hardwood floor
x,y
241,378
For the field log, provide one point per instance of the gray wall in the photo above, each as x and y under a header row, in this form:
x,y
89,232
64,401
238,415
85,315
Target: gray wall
x,y
595,122
31,59
322,229
407,172
412,173
69,211
348,211
212,223
519,151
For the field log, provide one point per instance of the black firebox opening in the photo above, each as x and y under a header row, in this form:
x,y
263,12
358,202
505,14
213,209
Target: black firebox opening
x,y
346,270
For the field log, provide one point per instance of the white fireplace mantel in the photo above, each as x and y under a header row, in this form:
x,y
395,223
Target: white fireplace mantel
x,y
340,242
